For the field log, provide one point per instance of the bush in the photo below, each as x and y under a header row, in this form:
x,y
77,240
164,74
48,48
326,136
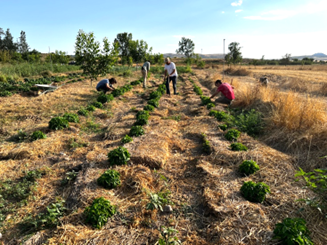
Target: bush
x,y
126,139
98,213
255,192
90,108
248,167
223,127
38,135
238,147
83,112
103,98
5,94
201,64
71,117
205,100
136,131
232,135
210,105
57,123
109,179
97,105
154,102
119,156
292,231
148,108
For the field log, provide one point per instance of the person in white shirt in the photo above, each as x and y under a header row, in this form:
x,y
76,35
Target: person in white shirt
x,y
145,69
171,74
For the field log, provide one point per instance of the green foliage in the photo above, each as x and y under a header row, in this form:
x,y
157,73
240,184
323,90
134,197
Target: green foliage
x,y
58,123
98,213
249,122
109,179
197,90
255,192
161,88
158,200
76,143
142,118
205,100
148,108
5,94
201,64
210,105
38,135
33,175
118,156
71,117
69,177
97,105
234,56
137,82
238,147
91,127
155,95
186,47
221,116
223,127
90,108
126,139
154,102
168,236
136,131
232,135
293,232
103,98
248,167
83,112
206,147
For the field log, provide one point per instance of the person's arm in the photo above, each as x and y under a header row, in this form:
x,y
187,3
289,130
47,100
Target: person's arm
x,y
217,92
149,66
172,72
110,88
166,72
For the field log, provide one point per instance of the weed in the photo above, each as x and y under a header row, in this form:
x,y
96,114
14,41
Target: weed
x,y
210,105
76,143
255,192
90,108
232,135
109,179
126,139
206,147
71,117
91,126
292,231
98,213
238,147
136,131
58,123
174,117
248,167
69,177
168,236
83,112
148,108
158,200
118,156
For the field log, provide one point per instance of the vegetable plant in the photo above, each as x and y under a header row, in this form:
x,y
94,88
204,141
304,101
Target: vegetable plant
x,y
158,200
119,156
103,98
197,90
210,105
126,139
38,135
255,192
136,130
206,147
109,179
168,236
148,108
232,135
71,117
154,102
205,100
97,104
58,123
83,112
90,108
223,127
155,95
238,147
142,117
248,167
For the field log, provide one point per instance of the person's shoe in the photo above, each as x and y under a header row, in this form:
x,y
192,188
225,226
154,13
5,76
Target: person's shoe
x,y
176,93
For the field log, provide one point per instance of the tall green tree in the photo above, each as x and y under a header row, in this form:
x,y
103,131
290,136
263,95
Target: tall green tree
x,y
234,56
8,42
93,60
186,47
139,50
59,57
123,40
22,43
1,40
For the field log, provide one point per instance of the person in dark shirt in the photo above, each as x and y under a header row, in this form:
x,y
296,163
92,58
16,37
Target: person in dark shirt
x,y
105,85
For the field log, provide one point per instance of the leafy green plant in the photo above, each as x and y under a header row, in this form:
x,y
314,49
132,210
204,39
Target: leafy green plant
x,y
232,135
250,122
197,90
97,105
210,105
58,123
223,127
148,108
5,94
255,192
126,139
109,179
292,231
137,82
119,156
142,118
104,98
168,236
205,100
158,200
69,177
83,112
220,116
33,175
154,102
238,147
136,131
248,167
90,108
206,147
71,117
155,95
38,135
99,212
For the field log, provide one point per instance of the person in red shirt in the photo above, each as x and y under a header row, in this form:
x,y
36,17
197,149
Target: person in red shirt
x,y
227,92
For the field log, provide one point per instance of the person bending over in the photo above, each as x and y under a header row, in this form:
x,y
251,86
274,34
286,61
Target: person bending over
x,y
227,92
105,85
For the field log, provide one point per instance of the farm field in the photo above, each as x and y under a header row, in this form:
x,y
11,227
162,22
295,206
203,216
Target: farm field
x,y
183,156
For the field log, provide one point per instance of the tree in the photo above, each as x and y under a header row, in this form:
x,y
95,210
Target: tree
x,y
22,44
286,59
58,57
92,59
123,41
1,40
139,50
186,47
234,56
8,42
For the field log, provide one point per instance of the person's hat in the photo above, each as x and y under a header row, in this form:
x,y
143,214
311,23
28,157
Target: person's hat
x,y
167,60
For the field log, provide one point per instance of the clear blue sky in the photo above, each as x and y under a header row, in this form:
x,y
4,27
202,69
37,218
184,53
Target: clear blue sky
x,y
262,27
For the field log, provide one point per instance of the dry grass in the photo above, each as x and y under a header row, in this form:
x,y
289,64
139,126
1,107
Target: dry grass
x,y
237,72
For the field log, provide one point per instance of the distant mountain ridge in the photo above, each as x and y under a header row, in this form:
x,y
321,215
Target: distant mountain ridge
x,y
203,56
316,56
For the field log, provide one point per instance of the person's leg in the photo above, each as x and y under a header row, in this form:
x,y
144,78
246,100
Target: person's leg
x,y
174,79
167,85
144,73
222,99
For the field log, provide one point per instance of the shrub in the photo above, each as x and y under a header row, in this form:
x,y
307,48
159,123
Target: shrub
x,y
254,192
292,231
83,112
206,145
109,179
154,102
90,108
38,135
197,90
248,167
97,105
57,123
126,139
250,122
238,147
210,105
98,213
223,127
119,156
232,135
103,98
148,108
136,131
205,100
71,117
201,64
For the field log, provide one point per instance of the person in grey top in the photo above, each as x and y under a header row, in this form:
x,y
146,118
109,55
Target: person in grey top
x,y
105,85
145,69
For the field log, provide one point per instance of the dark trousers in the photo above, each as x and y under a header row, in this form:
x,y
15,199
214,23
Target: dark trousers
x,y
174,79
103,88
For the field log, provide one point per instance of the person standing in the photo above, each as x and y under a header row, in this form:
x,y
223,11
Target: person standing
x,y
227,92
145,68
105,85
171,74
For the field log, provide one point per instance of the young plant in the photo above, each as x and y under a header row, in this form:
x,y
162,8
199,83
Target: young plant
x,y
154,102
248,167
104,98
21,135
97,105
90,108
155,95
168,236
292,231
136,131
250,122
71,117
221,116
210,105
58,123
158,200
205,100
99,212
238,147
255,192
223,127
142,118
232,135
109,179
197,90
119,156
38,135
69,177
206,147
148,108
126,139
83,112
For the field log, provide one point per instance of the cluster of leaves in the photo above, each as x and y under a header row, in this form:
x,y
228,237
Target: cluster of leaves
x,y
71,117
238,147
155,95
205,100
58,123
206,147
168,236
248,167
223,127
69,177
120,91
109,179
148,108
90,108
83,112
210,105
126,139
142,118
137,82
104,98
255,192
232,135
119,156
154,103
293,231
158,200
136,130
36,135
197,90
97,104
219,115
98,213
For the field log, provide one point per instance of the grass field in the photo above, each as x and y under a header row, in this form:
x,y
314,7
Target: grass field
x,y
183,157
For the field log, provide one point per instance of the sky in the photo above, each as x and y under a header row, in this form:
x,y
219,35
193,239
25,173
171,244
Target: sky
x,y
269,28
